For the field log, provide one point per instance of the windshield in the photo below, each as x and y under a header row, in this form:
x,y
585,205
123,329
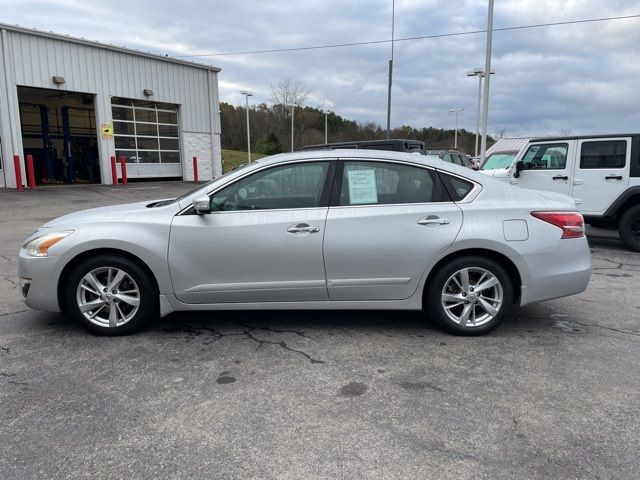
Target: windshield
x,y
498,160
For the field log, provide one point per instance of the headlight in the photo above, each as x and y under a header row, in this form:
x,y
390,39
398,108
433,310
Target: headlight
x,y
39,247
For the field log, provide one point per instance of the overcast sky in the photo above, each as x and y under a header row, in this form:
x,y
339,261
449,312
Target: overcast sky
x,y
583,78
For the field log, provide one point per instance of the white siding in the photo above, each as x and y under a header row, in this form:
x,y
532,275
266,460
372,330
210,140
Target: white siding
x,y
31,59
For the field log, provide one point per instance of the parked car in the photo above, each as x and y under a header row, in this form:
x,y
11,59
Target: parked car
x,y
339,229
602,173
393,145
451,156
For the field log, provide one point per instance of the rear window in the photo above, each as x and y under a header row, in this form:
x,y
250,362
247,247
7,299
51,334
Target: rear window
x,y
457,188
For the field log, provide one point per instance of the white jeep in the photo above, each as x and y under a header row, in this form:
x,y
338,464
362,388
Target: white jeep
x,y
601,172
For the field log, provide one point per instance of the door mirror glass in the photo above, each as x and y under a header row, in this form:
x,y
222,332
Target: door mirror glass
x,y
202,205
519,168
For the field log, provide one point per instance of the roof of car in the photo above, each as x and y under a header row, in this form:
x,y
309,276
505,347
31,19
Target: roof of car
x,y
580,137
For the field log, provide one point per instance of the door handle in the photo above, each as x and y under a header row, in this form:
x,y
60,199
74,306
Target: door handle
x,y
561,177
303,228
433,220
613,177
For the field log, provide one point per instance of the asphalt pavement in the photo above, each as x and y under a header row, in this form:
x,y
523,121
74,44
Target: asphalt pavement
x,y
553,393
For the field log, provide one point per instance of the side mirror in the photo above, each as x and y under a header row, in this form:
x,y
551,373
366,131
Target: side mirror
x,y
202,204
519,168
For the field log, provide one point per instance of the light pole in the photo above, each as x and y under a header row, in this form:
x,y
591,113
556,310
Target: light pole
x,y
455,141
326,130
478,72
393,22
487,68
246,103
293,110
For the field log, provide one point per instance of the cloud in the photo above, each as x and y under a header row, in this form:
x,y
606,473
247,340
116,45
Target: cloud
x,y
576,77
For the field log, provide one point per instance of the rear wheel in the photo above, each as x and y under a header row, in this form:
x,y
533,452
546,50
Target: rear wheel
x,y
110,295
629,228
470,296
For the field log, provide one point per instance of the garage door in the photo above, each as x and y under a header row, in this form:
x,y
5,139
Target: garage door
x,y
147,135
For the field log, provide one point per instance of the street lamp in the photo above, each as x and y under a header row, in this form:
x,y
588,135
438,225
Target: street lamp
x,y
487,68
246,103
326,124
478,72
455,141
293,111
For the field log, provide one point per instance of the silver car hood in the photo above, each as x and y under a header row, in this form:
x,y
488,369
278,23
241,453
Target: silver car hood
x,y
101,213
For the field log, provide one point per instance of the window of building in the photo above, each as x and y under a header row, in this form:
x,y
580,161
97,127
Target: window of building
x,y
145,132
607,154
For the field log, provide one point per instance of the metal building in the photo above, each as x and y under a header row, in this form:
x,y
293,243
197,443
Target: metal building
x,y
72,104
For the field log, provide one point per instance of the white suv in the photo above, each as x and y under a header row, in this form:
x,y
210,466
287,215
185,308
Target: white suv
x,y
601,172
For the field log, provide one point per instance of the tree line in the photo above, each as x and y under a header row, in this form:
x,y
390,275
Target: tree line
x,y
271,126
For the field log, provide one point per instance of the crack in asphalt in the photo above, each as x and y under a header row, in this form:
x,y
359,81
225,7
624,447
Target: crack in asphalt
x,y
249,333
577,322
14,313
10,279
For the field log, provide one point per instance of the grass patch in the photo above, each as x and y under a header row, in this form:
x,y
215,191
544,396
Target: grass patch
x,y
233,158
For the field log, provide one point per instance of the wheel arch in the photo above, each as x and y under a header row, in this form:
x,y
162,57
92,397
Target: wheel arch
x,y
68,268
501,259
629,198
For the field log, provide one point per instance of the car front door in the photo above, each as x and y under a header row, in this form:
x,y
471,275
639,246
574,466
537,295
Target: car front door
x,y
547,166
262,241
601,173
386,222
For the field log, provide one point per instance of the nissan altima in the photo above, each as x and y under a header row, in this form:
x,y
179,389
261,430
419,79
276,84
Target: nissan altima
x,y
337,229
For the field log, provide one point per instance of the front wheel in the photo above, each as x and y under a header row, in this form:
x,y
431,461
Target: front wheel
x,y
470,296
629,228
110,295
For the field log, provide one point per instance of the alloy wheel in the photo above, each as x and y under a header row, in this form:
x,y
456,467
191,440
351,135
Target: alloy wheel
x,y
472,297
108,297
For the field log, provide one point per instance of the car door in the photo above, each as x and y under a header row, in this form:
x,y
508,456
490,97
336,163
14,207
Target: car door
x,y
386,222
262,241
601,173
547,166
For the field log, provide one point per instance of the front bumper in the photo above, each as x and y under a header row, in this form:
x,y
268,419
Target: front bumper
x,y
39,276
561,273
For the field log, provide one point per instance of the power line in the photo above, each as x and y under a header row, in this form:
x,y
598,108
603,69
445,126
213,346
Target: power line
x,y
407,39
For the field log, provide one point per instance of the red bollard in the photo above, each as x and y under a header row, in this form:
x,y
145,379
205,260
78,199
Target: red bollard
x,y
114,171
195,169
31,174
123,167
16,166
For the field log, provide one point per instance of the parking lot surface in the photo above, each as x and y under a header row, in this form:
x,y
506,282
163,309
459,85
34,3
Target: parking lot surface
x,y
553,393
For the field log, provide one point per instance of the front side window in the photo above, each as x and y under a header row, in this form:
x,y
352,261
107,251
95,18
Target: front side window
x,y
298,185
550,156
610,154
382,183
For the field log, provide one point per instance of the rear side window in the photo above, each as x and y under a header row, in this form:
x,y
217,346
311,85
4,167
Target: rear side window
x,y
456,187
609,154
382,183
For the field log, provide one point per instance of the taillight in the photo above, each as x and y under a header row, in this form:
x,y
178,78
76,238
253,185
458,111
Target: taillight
x,y
571,223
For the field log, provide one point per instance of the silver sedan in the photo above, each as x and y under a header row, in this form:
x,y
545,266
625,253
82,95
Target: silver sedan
x,y
350,229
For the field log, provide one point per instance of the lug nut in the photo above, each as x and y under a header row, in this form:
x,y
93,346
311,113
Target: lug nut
x,y
471,289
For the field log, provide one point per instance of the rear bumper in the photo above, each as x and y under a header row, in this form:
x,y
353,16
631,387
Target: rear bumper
x,y
561,273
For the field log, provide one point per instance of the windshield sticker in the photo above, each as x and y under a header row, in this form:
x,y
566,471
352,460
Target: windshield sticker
x,y
362,186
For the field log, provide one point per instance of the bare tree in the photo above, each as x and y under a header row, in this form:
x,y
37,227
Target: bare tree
x,y
288,92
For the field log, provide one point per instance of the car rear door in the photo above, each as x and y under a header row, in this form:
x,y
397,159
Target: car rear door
x,y
386,222
262,242
548,166
601,173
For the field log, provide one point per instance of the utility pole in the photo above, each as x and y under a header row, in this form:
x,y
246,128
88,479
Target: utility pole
x,y
293,110
326,130
455,141
246,103
478,72
487,80
393,14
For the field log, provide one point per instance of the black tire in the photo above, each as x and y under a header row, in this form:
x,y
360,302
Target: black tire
x,y
629,228
434,291
148,296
